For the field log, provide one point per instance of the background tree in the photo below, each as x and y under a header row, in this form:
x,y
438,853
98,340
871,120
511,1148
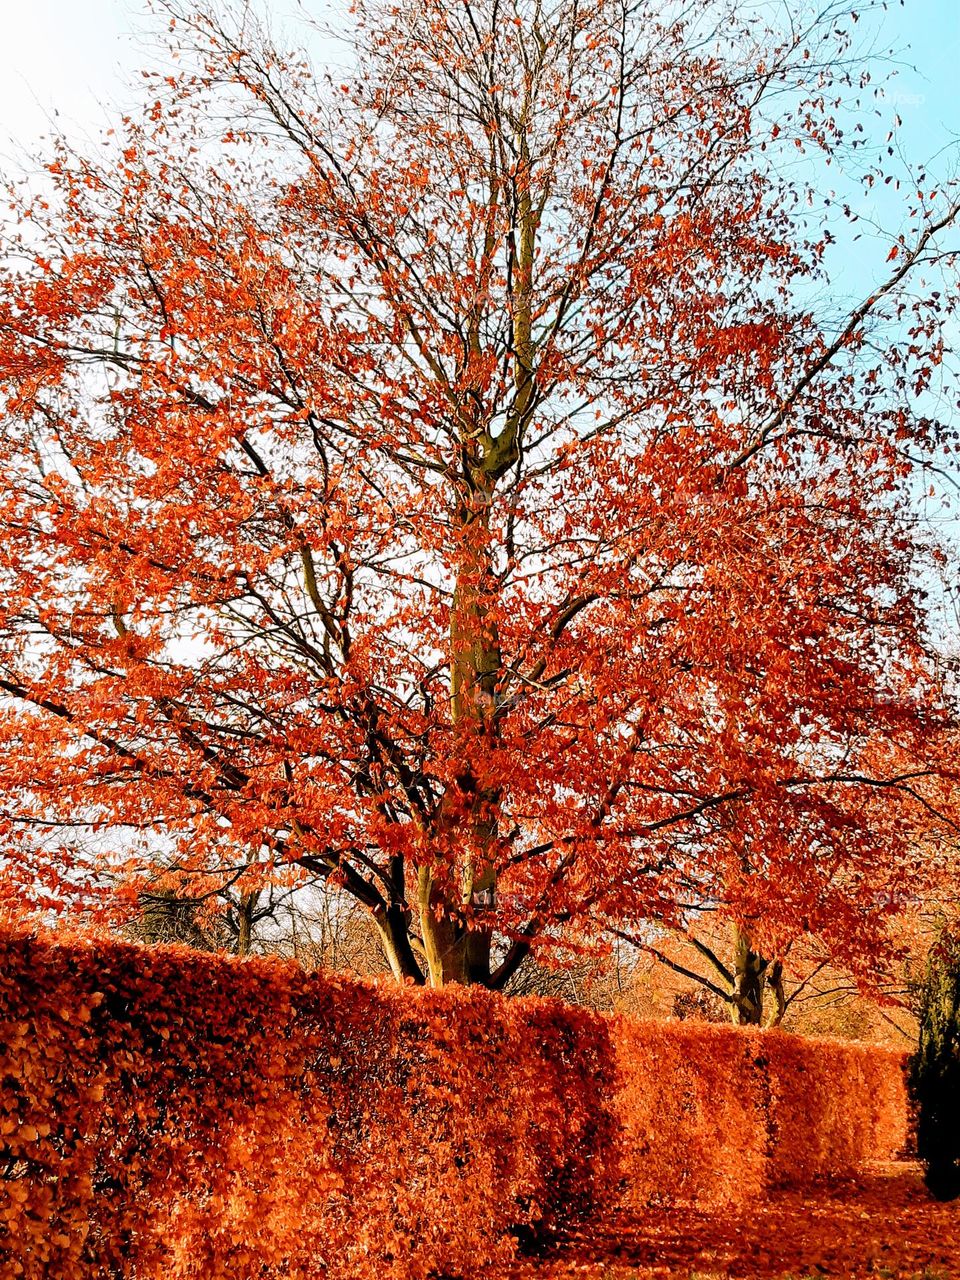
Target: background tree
x,y
434,481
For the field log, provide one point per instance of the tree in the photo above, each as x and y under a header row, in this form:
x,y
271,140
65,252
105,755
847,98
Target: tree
x,y
436,481
935,1069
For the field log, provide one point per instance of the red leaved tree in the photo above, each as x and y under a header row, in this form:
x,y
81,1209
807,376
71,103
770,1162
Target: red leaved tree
x,y
436,481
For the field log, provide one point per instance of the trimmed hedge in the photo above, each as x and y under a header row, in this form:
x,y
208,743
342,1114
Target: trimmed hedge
x,y
168,1114
716,1114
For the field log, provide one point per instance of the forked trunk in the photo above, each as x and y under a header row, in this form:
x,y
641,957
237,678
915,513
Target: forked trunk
x,y
747,1006
752,973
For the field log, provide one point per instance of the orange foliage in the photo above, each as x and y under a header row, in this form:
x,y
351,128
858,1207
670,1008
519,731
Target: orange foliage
x,y
166,1114
714,1114
441,482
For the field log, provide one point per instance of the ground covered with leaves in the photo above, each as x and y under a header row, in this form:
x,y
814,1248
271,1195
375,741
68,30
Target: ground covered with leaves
x,y
885,1225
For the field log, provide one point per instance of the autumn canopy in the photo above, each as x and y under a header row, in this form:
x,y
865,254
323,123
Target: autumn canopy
x,y
442,480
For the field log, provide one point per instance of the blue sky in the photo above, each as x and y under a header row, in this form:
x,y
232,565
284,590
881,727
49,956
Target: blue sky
x,y
924,37
927,32
68,56
65,54
71,63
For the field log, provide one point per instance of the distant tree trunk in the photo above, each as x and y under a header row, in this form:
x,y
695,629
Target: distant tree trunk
x,y
751,973
775,984
245,910
747,1006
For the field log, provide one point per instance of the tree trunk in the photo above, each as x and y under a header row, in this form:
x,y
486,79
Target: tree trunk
x,y
478,939
748,966
245,909
751,973
456,939
456,935
442,935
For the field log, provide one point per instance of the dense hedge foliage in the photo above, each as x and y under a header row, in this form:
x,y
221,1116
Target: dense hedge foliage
x,y
167,1114
714,1114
